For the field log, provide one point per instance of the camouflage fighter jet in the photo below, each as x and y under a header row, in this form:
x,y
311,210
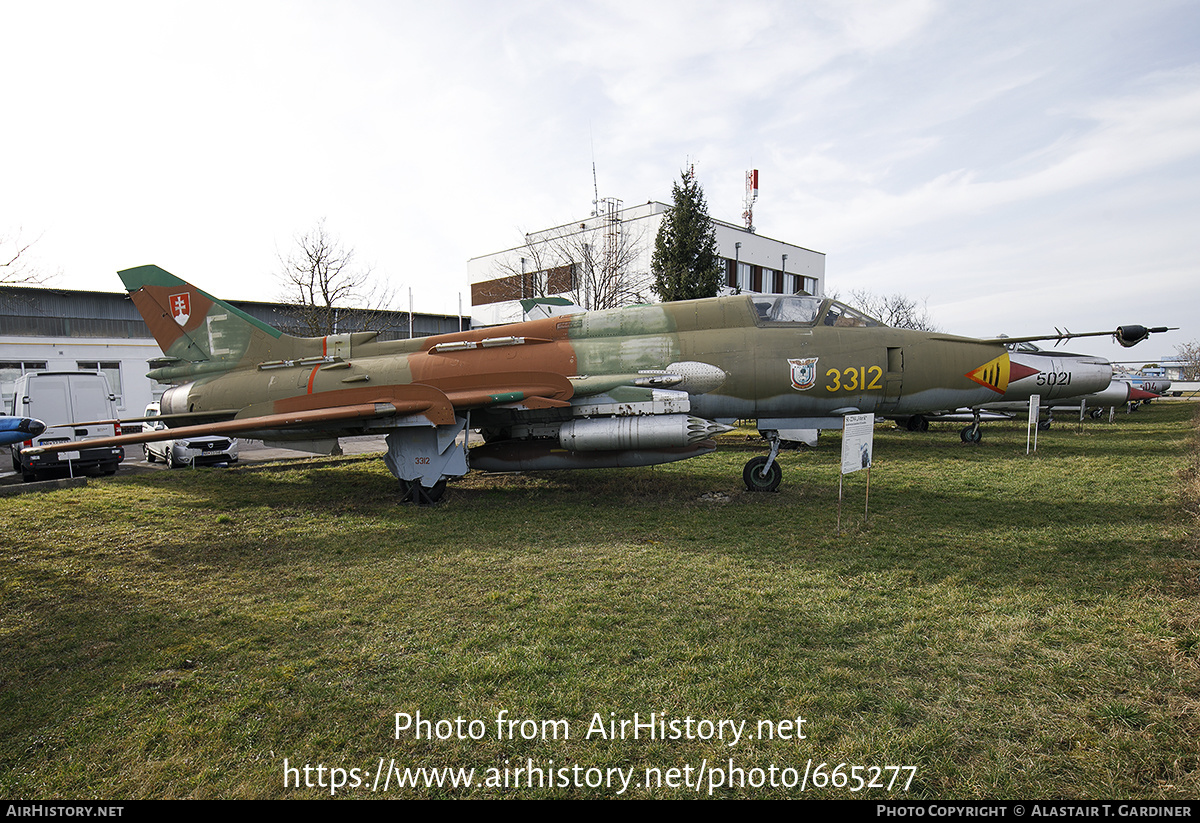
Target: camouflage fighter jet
x,y
633,386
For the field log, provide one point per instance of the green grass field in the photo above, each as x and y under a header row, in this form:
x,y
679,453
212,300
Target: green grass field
x,y
1003,626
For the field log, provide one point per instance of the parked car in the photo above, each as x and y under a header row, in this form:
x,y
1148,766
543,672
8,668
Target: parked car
x,y
209,450
62,398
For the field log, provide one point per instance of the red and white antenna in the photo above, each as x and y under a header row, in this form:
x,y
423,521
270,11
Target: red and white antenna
x,y
751,196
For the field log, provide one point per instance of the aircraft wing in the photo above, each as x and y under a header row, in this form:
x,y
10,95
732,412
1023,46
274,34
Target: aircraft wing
x,y
236,426
436,403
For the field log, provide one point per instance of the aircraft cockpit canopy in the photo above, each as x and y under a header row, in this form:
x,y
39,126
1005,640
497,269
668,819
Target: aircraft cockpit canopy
x,y
799,309
1022,347
804,310
842,316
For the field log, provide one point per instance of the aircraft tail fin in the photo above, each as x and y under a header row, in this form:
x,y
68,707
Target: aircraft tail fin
x,y
200,333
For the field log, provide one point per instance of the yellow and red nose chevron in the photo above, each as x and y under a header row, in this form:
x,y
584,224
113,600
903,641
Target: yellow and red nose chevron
x,y
996,373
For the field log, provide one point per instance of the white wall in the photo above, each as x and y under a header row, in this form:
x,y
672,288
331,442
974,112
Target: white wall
x,y
65,355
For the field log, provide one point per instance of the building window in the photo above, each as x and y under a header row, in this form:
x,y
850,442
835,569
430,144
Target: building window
x,y
743,278
10,370
110,369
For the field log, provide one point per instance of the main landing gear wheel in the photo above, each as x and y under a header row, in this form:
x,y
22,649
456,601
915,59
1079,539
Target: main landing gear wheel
x,y
971,434
411,491
757,480
1096,414
917,423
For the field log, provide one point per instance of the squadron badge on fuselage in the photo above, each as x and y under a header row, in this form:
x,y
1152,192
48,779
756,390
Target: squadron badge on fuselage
x,y
804,373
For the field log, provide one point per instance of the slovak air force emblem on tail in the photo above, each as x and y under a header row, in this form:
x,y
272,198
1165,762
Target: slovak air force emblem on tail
x,y
804,373
181,307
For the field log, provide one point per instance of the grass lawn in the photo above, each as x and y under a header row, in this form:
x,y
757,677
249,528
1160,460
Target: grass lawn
x,y
1004,626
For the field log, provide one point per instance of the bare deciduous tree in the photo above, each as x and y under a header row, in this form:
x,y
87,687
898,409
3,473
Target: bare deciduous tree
x,y
596,268
15,267
1189,360
895,310
322,280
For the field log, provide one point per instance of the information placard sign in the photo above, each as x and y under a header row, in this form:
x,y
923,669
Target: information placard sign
x,y
858,439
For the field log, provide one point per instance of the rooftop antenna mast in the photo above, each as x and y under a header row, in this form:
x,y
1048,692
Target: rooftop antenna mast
x,y
595,185
751,197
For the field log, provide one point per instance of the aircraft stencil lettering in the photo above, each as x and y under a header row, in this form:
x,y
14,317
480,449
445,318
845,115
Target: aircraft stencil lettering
x,y
633,386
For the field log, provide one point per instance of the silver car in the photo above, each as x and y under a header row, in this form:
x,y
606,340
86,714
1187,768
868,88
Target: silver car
x,y
193,451
209,450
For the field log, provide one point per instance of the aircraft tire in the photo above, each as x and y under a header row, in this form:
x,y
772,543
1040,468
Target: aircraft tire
x,y
756,481
917,423
971,435
1096,413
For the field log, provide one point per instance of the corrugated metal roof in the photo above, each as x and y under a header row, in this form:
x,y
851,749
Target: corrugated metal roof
x,y
45,312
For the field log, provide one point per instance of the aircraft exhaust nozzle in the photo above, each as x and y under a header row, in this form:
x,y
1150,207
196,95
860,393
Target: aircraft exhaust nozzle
x,y
642,432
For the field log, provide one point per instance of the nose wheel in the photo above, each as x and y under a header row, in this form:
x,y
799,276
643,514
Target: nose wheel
x,y
761,477
762,473
972,434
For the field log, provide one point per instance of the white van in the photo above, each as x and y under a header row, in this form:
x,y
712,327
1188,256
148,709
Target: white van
x,y
58,398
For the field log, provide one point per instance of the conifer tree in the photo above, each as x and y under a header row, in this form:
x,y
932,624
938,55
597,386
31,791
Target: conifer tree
x,y
685,263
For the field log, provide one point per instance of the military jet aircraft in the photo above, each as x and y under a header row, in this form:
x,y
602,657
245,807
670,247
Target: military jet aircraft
x,y
1053,375
1118,392
17,429
633,386
1156,384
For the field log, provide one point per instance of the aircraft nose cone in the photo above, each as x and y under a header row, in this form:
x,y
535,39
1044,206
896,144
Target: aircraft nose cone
x,y
32,427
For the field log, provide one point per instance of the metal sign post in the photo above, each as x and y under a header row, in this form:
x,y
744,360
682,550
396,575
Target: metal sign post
x,y
1035,408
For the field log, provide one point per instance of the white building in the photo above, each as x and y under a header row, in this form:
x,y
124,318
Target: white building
x,y
576,260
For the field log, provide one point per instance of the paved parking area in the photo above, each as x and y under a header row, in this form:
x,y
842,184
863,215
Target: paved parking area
x,y
250,452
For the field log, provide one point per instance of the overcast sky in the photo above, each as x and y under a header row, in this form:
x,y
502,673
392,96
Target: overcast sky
x,y
1020,165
